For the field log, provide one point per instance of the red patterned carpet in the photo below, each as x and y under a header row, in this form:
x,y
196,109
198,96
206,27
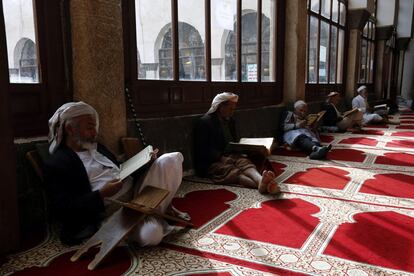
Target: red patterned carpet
x,y
352,214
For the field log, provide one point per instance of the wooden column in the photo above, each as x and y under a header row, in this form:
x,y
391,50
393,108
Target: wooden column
x,y
9,221
98,64
295,51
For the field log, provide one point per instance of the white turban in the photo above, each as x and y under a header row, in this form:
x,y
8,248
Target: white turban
x,y
65,112
361,88
221,98
298,104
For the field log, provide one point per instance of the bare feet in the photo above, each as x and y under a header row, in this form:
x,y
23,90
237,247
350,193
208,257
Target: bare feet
x,y
177,213
268,184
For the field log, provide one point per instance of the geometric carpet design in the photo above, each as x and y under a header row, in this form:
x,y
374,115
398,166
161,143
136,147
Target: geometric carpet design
x,y
352,214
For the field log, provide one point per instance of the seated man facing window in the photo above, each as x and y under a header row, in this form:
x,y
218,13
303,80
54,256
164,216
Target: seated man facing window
x,y
369,115
297,134
337,120
213,132
81,173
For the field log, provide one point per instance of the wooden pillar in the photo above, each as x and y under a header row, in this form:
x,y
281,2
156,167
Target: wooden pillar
x,y
295,51
9,220
98,64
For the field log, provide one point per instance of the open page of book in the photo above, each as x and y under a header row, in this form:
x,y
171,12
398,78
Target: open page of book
x,y
380,106
135,162
313,119
268,142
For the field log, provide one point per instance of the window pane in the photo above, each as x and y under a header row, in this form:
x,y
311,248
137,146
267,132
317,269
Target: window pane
x,y
333,59
315,5
335,10
268,39
323,52
313,50
342,14
249,40
340,60
371,68
326,8
154,39
365,31
363,61
22,48
191,34
223,40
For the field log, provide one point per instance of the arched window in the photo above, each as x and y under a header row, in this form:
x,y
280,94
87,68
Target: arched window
x,y
191,50
26,63
249,49
191,57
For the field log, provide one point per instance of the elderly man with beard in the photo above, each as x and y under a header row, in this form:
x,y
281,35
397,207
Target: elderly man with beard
x,y
81,173
213,132
297,134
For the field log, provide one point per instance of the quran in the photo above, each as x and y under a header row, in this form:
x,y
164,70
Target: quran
x,y
313,119
253,146
135,162
349,112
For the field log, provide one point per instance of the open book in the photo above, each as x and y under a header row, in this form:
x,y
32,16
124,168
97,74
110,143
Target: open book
x,y
380,107
313,119
135,162
253,146
349,112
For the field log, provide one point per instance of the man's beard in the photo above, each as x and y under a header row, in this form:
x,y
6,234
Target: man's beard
x,y
85,143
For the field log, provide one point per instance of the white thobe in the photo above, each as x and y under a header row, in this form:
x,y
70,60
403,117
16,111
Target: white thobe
x,y
362,104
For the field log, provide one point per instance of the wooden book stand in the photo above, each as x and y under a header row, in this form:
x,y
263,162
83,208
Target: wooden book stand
x,y
117,227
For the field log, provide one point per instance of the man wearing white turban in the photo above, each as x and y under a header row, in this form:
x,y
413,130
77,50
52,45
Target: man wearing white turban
x,y
213,132
361,102
81,173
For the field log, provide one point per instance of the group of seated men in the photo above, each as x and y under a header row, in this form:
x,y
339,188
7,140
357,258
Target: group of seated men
x,y
81,173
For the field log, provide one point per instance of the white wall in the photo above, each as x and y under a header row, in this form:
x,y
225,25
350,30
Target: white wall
x,y
405,18
357,4
407,87
386,12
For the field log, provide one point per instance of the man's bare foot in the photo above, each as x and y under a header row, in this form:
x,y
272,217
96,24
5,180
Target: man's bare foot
x,y
266,178
177,213
273,188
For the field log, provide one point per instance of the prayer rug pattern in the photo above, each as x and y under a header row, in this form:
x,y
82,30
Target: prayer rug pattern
x,y
352,214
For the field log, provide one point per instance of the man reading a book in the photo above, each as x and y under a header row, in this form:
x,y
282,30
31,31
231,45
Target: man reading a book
x,y
369,115
81,173
337,120
213,132
297,133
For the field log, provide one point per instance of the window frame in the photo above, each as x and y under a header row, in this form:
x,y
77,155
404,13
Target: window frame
x,y
162,98
33,103
369,37
317,91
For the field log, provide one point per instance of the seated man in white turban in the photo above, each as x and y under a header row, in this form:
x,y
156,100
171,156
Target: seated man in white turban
x,y
334,118
213,132
361,102
81,173
297,134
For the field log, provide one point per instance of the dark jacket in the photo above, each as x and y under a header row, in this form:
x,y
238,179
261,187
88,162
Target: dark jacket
x,y
331,117
72,201
209,141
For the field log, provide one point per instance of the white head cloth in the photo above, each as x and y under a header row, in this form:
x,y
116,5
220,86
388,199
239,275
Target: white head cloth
x,y
361,88
298,104
221,98
65,112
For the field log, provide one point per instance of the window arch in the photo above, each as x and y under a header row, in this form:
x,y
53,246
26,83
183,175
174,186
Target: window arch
x,y
25,61
191,54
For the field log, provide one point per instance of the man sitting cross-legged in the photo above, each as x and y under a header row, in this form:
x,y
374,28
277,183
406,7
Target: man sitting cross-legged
x,y
297,134
81,173
213,132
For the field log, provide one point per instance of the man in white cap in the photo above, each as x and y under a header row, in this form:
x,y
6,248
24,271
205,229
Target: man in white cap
x,y
361,102
297,134
81,173
334,118
213,132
